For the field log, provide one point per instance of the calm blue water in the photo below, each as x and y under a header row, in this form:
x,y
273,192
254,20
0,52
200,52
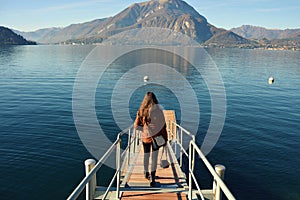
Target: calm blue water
x,y
42,155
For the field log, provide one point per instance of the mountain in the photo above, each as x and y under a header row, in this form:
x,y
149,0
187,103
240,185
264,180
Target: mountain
x,y
39,34
172,14
228,38
56,35
256,32
8,37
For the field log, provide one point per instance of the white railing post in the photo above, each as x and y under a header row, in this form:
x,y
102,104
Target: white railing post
x,y
134,143
193,165
118,167
169,131
177,138
91,185
129,145
190,171
181,143
220,170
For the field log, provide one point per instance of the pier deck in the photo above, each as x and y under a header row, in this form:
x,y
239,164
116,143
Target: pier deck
x,y
171,182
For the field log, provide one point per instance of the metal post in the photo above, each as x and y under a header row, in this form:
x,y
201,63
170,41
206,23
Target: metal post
x,y
91,185
134,143
176,140
193,158
129,145
220,169
190,170
118,167
193,166
181,143
169,130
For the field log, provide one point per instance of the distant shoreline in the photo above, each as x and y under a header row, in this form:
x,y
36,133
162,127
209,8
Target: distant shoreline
x,y
268,48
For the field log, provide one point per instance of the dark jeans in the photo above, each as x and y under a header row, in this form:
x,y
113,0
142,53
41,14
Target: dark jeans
x,y
147,149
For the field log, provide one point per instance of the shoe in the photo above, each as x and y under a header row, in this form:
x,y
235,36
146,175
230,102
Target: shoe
x,y
147,175
152,184
152,179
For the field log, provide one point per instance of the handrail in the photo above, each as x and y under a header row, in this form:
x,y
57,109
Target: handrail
x,y
220,182
191,156
179,139
183,129
133,141
116,145
82,184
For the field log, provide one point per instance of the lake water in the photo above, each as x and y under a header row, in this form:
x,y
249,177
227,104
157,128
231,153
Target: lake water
x,y
42,155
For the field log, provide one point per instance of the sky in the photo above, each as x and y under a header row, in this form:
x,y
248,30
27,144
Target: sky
x,y
30,15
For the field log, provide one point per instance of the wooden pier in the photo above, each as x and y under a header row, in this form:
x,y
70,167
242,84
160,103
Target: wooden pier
x,y
172,182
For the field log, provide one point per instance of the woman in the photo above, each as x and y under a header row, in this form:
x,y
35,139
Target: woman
x,y
151,120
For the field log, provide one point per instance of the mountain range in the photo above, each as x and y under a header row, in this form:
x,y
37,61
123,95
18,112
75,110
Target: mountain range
x,y
172,14
256,32
176,15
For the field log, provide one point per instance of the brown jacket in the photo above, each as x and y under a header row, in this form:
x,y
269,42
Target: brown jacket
x,y
157,125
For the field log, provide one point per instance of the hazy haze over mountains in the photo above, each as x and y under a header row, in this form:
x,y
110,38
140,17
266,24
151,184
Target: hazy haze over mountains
x,y
256,32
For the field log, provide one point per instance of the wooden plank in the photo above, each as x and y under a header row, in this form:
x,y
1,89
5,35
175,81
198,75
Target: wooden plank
x,y
170,181
151,196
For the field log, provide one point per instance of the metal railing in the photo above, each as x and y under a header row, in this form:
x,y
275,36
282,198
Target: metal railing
x,y
89,181
177,133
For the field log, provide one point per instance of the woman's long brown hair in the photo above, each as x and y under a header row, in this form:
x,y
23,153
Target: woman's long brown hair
x,y
146,105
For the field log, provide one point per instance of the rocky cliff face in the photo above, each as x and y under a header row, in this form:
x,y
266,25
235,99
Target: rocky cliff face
x,y
173,14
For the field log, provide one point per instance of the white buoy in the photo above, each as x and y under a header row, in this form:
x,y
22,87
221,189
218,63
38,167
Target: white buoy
x,y
146,78
271,80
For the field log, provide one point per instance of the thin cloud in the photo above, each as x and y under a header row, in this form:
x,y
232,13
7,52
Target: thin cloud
x,y
281,9
236,4
268,9
69,6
